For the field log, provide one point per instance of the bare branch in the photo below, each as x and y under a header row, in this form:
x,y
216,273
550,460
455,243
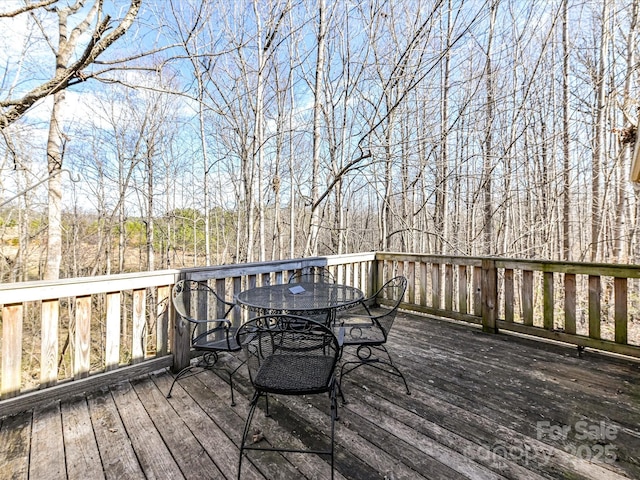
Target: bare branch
x,y
27,8
98,44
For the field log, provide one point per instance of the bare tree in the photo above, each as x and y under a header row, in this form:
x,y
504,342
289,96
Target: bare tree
x,y
73,54
599,107
318,100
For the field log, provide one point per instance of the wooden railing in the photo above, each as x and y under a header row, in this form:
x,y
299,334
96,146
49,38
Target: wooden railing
x,y
584,304
70,336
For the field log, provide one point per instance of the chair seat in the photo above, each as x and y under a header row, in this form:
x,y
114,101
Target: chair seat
x,y
360,334
214,343
295,374
359,310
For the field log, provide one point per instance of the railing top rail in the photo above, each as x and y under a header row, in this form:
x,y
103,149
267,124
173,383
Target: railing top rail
x,y
41,290
583,268
73,287
13,293
257,268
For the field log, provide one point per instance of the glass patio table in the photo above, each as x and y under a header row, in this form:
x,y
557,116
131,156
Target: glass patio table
x,y
304,299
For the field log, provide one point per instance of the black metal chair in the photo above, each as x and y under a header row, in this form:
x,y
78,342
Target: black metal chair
x,y
211,336
367,327
312,275
289,355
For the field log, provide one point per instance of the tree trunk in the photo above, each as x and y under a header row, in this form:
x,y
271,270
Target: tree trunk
x,y
566,138
315,217
622,236
150,225
54,165
488,140
599,134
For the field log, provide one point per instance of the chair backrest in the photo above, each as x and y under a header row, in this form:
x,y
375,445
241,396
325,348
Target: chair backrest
x,y
313,275
392,291
303,351
185,292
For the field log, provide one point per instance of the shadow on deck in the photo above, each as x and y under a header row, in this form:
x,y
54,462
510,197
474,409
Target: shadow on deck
x,y
482,407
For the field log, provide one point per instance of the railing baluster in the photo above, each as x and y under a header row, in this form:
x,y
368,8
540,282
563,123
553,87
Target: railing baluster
x,y
411,277
509,298
423,284
82,352
477,291
595,292
139,347
448,287
527,297
435,285
112,336
50,316
548,300
163,308
621,314
463,289
570,303
12,318
490,295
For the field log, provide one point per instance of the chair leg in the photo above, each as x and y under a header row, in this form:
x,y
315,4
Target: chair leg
x,y
231,374
247,427
208,361
339,387
181,374
334,417
247,424
364,354
397,370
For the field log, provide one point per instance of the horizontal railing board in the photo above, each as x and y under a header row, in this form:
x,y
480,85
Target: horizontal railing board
x,y
572,339
259,268
429,258
600,269
81,286
438,312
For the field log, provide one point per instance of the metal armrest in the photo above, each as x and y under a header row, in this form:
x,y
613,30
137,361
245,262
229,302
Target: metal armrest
x,y
224,321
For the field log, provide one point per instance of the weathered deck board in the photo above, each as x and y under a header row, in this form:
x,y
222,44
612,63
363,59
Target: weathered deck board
x,y
47,459
15,444
81,449
116,452
474,411
156,460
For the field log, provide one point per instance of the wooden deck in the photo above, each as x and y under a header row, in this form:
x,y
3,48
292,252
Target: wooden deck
x,y
482,407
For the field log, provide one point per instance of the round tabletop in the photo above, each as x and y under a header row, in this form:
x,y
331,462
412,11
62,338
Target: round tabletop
x,y
300,298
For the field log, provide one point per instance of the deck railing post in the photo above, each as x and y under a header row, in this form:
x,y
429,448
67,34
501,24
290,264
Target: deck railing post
x,y
181,344
489,295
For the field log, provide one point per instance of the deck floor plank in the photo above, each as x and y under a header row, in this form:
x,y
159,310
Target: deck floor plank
x,y
118,457
474,412
192,458
47,458
153,454
461,456
81,450
15,445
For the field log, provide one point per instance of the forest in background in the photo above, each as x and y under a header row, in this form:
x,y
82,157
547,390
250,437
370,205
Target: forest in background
x,y
217,132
